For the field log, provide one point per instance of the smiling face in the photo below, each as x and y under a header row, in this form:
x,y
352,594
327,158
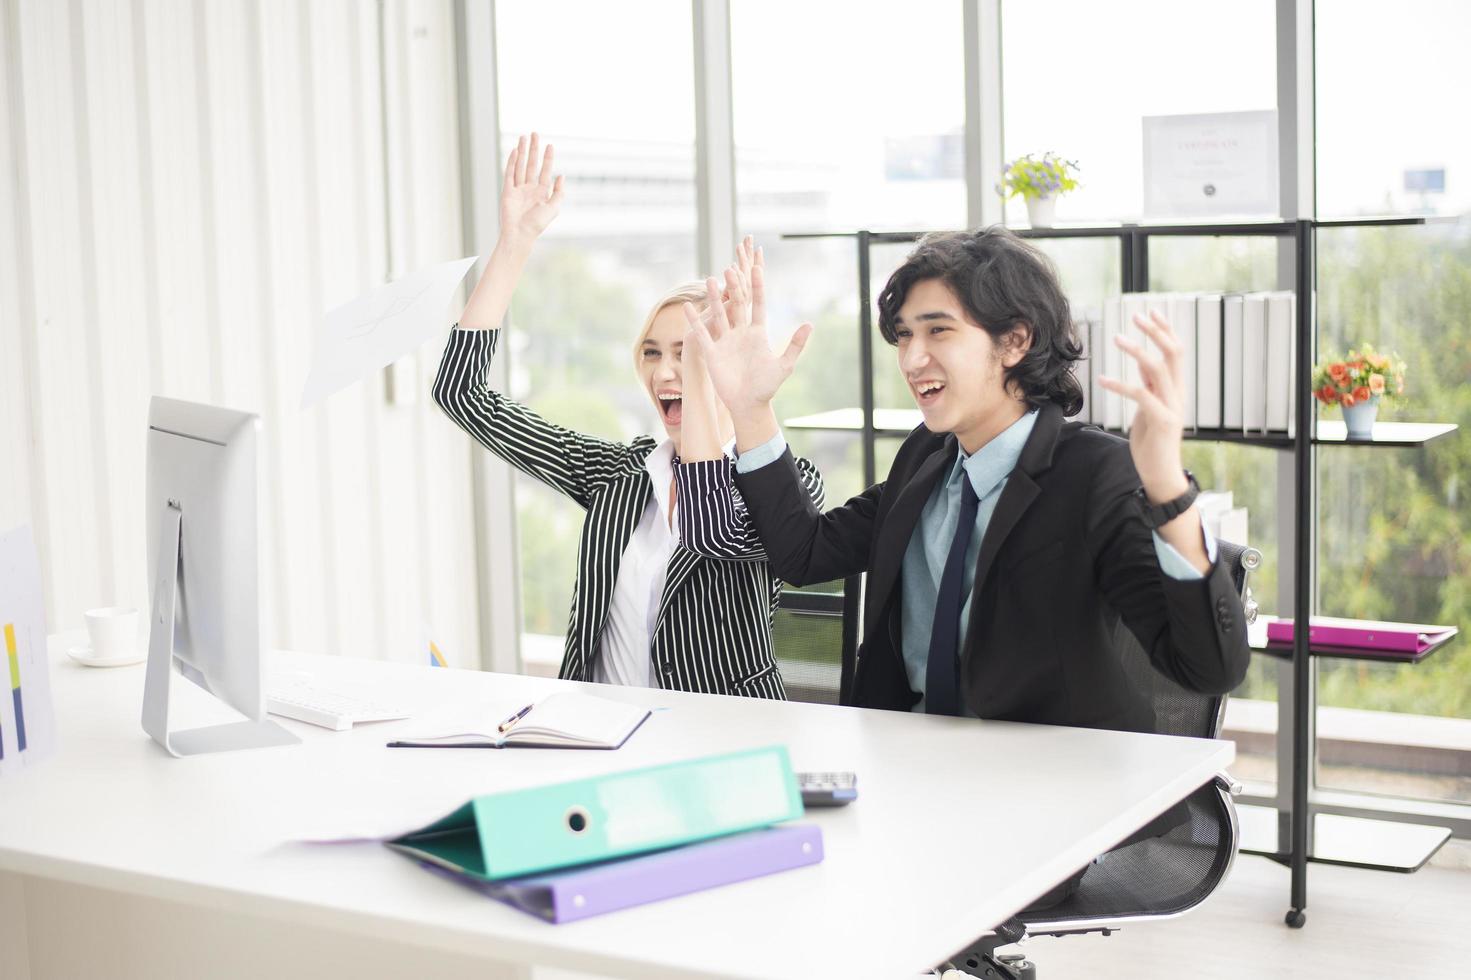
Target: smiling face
x,y
954,369
660,367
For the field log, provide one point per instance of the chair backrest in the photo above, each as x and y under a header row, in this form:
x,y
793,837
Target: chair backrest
x,y
815,638
1178,710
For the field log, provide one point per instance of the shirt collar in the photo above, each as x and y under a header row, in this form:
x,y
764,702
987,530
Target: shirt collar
x,y
994,461
660,467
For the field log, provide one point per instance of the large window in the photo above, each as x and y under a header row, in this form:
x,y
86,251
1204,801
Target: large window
x,y
1393,527
1388,137
1080,75
870,138
626,235
1078,79
1249,473
871,135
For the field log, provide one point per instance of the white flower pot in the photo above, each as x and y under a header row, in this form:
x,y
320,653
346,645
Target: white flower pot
x,y
1359,419
1039,211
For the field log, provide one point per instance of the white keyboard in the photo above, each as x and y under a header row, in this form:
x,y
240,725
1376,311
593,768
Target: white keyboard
x,y
318,706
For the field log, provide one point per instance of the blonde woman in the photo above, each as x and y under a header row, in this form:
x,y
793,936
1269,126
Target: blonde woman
x,y
646,611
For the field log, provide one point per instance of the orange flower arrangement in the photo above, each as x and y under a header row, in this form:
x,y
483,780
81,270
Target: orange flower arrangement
x,y
1365,375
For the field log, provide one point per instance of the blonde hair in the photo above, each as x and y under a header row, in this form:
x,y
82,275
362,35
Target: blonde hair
x,y
694,292
686,292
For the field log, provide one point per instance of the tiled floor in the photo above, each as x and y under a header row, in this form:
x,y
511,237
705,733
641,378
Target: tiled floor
x,y
1360,924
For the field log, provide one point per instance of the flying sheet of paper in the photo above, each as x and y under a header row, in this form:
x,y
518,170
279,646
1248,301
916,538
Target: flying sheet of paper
x,y
27,724
377,328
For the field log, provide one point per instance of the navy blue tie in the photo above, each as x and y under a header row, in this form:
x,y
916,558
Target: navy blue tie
x,y
942,671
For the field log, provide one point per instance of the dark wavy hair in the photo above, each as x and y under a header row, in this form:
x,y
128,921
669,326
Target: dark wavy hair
x,y
1002,282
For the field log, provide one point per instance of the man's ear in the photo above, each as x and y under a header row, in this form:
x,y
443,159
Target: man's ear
x,y
1015,344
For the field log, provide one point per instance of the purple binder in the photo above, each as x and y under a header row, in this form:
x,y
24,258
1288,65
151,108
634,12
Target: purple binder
x,y
1362,634
579,893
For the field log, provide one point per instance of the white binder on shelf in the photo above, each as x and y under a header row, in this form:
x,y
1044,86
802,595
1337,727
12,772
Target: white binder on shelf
x,y
1208,361
1097,353
1232,384
1083,369
1112,363
1254,364
1182,318
1153,303
1281,358
1080,368
1132,304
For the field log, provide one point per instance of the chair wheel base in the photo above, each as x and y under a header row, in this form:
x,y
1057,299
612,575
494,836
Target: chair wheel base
x,y
1296,918
1004,967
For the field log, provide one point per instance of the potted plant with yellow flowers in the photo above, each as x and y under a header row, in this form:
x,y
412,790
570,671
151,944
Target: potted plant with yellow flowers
x,y
1039,181
1357,384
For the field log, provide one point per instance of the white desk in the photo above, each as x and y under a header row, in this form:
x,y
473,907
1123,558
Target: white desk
x,y
959,824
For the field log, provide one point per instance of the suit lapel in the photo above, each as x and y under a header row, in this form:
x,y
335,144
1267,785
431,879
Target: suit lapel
x,y
1021,490
681,565
898,526
612,518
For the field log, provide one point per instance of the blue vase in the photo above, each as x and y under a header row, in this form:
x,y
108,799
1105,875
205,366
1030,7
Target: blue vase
x,y
1359,419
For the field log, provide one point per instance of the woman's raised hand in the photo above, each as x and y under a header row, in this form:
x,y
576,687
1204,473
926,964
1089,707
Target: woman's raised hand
x,y
530,199
530,196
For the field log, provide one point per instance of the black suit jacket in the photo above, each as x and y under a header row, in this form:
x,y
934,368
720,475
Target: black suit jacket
x,y
1066,555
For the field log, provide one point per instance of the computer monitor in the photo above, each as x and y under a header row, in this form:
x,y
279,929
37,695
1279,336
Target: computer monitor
x,y
204,573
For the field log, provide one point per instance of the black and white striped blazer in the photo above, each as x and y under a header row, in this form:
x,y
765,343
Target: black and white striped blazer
x,y
713,631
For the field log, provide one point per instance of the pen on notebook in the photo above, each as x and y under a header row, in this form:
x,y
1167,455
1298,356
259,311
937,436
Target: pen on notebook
x,y
506,725
501,729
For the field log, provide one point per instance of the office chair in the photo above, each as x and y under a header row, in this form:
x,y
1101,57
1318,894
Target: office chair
x,y
815,637
1159,877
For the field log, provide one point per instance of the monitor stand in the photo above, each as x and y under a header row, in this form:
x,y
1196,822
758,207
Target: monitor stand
x,y
159,679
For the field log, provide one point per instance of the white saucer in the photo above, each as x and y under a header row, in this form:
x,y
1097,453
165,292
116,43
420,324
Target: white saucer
x,y
83,655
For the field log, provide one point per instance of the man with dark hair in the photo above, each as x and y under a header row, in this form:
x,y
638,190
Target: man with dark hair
x,y
1006,543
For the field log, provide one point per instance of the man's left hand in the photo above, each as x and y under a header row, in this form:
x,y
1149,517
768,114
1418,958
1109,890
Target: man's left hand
x,y
1158,427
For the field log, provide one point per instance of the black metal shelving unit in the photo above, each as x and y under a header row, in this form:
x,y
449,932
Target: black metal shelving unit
x,y
1296,851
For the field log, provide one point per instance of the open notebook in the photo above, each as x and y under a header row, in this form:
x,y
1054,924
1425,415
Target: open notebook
x,y
566,720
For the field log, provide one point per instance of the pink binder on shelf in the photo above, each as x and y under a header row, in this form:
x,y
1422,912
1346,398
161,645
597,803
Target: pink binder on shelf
x,y
1362,634
593,889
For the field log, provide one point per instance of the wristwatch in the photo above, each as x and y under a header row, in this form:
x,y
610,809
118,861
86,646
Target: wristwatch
x,y
1157,516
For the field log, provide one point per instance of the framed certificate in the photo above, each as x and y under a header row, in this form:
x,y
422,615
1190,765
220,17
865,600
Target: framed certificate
x,y
1222,163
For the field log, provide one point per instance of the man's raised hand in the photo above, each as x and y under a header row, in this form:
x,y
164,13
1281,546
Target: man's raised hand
x,y
744,370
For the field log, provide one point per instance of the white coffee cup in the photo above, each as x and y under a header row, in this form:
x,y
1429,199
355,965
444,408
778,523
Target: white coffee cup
x,y
113,631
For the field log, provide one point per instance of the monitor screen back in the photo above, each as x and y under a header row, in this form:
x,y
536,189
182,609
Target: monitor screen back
x,y
204,458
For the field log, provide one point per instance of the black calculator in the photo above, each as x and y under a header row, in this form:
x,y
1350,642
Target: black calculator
x,y
828,788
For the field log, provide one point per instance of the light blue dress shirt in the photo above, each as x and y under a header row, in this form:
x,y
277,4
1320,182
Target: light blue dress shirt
x,y
924,559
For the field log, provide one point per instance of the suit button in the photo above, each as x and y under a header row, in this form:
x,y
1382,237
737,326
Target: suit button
x,y
668,668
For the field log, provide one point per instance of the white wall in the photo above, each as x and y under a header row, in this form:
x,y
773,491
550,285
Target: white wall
x,y
184,188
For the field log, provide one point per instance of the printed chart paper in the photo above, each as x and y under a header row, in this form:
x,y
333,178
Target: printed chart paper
x,y
379,327
27,725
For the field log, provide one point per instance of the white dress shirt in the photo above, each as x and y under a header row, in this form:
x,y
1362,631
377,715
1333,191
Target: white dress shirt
x,y
623,651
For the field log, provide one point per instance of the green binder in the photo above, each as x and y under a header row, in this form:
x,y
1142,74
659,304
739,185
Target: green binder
x,y
519,832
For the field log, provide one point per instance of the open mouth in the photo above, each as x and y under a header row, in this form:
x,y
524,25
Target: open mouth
x,y
927,393
671,407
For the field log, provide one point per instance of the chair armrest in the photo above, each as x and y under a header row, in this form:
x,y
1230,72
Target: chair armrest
x,y
1228,784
